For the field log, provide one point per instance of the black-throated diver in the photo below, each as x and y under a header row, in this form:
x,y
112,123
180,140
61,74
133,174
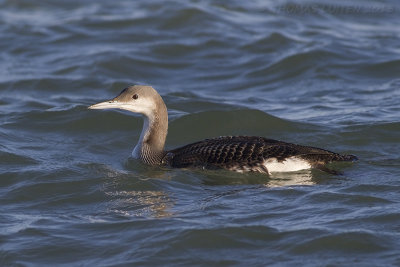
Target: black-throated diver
x,y
237,153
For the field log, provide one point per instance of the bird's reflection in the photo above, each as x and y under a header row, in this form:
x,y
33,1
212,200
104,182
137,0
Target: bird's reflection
x,y
305,177
290,179
139,193
145,192
145,203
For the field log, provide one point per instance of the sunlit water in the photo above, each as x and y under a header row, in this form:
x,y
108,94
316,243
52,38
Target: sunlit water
x,y
324,74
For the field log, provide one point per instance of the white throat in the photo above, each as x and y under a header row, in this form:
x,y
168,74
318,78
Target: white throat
x,y
150,147
137,151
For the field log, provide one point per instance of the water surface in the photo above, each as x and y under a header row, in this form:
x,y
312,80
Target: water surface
x,y
324,74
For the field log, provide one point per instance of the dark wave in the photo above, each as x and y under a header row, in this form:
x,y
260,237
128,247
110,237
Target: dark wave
x,y
319,74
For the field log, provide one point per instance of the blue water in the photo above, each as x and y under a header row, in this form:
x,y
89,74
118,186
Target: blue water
x,y
324,74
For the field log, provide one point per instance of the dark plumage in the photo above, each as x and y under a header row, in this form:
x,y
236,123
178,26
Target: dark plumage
x,y
246,153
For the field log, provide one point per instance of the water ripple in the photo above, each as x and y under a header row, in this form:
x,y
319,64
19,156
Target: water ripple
x,y
320,74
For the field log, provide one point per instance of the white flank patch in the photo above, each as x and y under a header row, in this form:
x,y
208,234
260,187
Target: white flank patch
x,y
291,164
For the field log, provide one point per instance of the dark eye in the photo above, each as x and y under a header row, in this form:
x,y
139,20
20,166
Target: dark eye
x,y
135,96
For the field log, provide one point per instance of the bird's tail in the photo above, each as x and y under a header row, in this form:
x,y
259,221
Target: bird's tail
x,y
349,158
